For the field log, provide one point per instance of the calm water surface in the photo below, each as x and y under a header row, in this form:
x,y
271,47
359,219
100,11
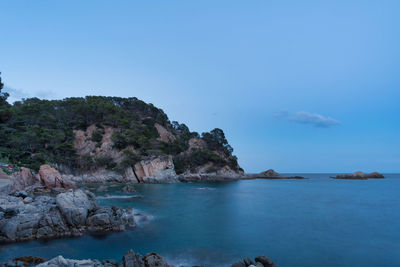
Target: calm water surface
x,y
313,222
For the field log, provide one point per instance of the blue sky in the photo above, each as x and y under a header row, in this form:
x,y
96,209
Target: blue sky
x,y
298,86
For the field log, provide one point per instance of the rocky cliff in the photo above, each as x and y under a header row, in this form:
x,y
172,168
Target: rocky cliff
x,y
97,139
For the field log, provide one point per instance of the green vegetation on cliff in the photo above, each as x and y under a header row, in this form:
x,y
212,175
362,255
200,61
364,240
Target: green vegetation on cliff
x,y
34,132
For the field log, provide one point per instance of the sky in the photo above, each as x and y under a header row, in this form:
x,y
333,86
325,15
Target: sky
x,y
297,86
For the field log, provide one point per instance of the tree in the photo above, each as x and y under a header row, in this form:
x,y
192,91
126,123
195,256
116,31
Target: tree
x,y
5,110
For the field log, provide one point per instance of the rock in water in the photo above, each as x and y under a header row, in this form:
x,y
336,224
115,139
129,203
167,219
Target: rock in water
x,y
67,214
155,260
359,175
266,261
128,189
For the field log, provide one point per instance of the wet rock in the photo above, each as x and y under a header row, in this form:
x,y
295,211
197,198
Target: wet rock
x,y
62,262
128,189
131,259
266,261
248,261
67,214
155,260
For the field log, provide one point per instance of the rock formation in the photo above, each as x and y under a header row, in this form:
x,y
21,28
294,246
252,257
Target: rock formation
x,y
130,259
24,178
68,214
155,170
271,174
360,176
51,178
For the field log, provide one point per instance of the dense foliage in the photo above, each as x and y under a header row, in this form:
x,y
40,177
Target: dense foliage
x,y
34,132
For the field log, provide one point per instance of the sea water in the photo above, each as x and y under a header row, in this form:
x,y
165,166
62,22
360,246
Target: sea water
x,y
312,222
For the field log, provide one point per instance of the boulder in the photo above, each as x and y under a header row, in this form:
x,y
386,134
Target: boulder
x,y
24,178
266,261
155,260
51,178
248,261
75,206
131,259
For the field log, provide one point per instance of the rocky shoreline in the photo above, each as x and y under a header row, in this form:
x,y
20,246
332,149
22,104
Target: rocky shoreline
x,y
130,259
27,217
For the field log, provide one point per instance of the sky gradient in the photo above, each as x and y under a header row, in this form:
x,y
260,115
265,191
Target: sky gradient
x,y
297,86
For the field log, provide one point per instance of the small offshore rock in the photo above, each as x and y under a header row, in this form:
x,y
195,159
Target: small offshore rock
x,y
128,189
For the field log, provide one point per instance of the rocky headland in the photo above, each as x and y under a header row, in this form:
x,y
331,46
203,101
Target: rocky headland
x,y
360,176
130,259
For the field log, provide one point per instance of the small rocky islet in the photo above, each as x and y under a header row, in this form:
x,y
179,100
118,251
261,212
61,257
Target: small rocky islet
x,y
359,176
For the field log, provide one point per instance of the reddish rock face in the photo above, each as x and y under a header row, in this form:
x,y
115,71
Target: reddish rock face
x,y
165,135
160,167
24,178
51,178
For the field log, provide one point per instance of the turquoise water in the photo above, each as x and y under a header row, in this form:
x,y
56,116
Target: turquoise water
x,y
313,222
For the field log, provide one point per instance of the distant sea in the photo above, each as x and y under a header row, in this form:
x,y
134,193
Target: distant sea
x,y
312,222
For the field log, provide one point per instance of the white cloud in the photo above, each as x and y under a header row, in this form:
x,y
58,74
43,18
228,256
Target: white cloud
x,y
304,117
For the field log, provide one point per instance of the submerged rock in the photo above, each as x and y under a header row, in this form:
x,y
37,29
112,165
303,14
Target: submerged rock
x,y
128,189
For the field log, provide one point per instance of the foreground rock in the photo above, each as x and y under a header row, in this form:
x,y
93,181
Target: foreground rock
x,y
271,174
130,259
71,213
260,261
360,176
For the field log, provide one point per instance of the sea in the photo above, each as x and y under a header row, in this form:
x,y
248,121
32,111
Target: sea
x,y
317,221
